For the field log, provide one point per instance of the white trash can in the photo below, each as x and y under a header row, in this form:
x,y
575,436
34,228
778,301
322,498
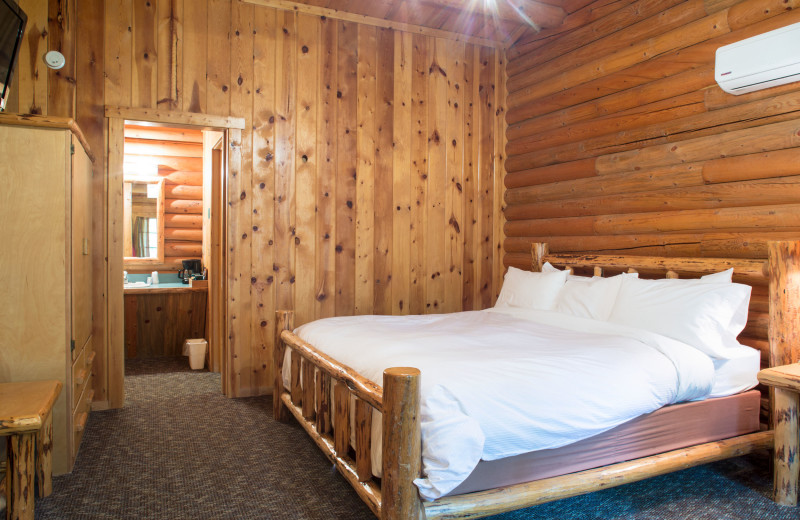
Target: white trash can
x,y
196,350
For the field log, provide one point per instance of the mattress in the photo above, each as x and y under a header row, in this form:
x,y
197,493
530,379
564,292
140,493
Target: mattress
x,y
669,428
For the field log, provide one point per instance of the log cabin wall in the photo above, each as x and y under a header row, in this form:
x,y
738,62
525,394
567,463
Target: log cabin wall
x,y
177,155
371,179
619,138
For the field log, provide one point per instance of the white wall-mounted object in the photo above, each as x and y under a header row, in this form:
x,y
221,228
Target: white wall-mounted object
x,y
760,62
55,60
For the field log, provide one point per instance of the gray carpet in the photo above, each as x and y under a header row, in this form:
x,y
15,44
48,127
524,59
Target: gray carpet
x,y
180,450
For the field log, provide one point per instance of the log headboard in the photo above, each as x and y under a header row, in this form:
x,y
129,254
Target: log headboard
x,y
773,324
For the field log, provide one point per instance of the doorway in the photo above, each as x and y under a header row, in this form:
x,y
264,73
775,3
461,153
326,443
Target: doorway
x,y
166,243
191,227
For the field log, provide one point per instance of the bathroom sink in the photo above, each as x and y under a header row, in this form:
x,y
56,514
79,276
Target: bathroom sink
x,y
133,285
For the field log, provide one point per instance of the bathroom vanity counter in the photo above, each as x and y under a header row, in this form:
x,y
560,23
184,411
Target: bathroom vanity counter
x,y
158,318
162,288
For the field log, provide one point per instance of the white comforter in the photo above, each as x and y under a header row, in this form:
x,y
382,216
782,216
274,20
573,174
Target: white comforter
x,y
502,382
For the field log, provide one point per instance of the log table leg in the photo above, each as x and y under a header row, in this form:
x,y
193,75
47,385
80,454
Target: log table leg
x,y
44,458
19,476
787,457
785,383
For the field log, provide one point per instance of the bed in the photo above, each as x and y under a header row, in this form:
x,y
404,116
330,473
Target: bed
x,y
342,410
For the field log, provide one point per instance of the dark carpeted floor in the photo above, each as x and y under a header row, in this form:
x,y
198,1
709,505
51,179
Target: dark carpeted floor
x,y
180,450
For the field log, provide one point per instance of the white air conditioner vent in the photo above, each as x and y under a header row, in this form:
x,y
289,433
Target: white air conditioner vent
x,y
760,62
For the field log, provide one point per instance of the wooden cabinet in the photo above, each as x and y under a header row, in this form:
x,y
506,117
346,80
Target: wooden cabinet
x,y
158,321
45,268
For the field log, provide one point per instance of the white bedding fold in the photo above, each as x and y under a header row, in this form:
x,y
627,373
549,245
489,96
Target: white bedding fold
x,y
499,383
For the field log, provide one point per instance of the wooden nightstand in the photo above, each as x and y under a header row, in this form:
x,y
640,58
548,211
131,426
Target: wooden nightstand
x,y
26,418
785,380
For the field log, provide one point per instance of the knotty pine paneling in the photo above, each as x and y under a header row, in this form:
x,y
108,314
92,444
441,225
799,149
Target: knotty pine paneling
x,y
619,138
29,85
368,155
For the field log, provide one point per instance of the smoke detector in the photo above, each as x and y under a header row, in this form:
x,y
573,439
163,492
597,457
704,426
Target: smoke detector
x,y
55,60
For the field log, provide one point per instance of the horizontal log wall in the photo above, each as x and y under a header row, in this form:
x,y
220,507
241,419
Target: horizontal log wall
x,y
619,139
177,155
371,176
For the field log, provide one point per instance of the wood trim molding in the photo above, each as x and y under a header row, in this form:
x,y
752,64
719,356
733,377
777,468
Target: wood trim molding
x,y
115,368
115,121
175,118
288,5
49,122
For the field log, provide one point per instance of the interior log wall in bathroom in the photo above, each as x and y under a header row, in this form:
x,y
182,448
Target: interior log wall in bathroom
x,y
178,155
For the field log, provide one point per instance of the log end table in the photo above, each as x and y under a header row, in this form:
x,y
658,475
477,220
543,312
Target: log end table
x,y
26,419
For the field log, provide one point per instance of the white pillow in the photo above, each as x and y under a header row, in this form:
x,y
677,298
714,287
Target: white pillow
x,y
547,267
589,297
705,315
529,289
726,276
722,276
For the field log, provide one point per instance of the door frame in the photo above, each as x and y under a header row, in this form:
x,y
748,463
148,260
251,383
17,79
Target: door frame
x,y
115,341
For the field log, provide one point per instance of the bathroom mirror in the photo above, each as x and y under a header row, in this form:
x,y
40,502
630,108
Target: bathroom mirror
x,y
143,220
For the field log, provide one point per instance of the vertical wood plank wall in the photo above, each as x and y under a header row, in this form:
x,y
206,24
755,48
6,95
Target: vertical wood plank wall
x,y
372,158
51,26
620,139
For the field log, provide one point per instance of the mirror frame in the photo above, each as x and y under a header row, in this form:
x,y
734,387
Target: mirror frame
x,y
134,261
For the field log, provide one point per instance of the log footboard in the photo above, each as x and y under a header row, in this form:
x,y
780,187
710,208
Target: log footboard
x,y
313,374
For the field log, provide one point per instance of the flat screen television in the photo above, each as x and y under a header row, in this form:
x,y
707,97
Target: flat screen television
x,y
12,28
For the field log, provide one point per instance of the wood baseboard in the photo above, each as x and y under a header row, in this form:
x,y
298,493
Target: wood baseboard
x,y
100,405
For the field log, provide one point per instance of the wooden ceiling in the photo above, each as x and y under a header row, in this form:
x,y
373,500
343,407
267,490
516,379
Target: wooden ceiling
x,y
492,22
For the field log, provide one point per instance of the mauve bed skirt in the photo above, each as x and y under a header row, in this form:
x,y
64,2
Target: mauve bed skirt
x,y
666,429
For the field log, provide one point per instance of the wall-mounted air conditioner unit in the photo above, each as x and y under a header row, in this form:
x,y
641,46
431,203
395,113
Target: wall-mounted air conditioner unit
x,y
760,62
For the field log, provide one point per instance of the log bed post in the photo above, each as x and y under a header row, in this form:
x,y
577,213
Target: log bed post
x,y
784,338
784,305
402,445
284,320
538,251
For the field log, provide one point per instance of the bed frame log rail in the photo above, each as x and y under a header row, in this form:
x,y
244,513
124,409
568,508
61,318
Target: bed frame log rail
x,y
395,497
